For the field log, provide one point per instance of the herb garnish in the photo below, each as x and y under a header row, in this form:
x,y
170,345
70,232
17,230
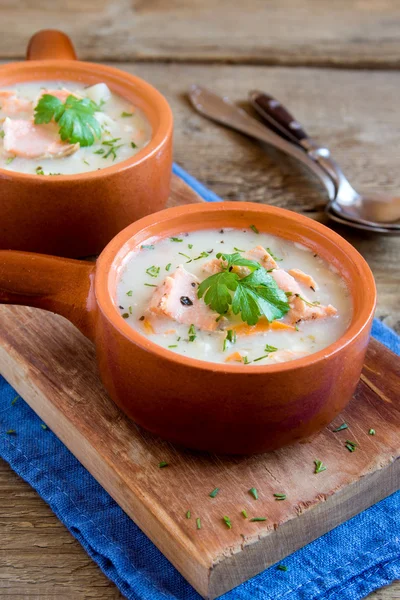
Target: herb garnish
x,y
269,348
162,464
147,247
75,117
11,432
126,114
188,514
175,239
316,303
173,346
244,513
129,293
230,337
214,493
227,522
190,246
282,567
202,255
255,519
273,255
340,428
254,228
153,271
133,145
192,333
9,160
186,256
168,266
254,295
254,493
238,250
280,496
2,133
319,466
14,400
198,523
112,148
371,432
99,151
125,315
43,426
151,285
351,446
260,357
39,171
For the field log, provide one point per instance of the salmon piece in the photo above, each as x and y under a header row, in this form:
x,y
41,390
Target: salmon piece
x,y
260,255
286,282
305,311
177,299
11,104
285,355
25,139
212,266
302,277
62,94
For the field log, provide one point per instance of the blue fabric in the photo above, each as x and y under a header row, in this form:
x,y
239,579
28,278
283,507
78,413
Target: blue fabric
x,y
347,563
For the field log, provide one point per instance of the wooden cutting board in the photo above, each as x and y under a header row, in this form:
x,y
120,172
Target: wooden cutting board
x,y
52,366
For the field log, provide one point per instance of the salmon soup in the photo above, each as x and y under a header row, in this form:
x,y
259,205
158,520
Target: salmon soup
x,y
233,296
64,128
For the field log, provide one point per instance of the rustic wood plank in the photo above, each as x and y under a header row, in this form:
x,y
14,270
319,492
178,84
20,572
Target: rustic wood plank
x,y
293,32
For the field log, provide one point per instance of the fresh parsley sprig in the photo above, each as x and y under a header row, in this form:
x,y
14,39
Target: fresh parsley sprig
x,y
253,295
75,117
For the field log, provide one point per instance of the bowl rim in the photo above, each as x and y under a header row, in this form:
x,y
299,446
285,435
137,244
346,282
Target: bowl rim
x,y
158,138
108,306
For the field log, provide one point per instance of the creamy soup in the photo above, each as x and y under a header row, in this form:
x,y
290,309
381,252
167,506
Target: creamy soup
x,y
54,136
289,302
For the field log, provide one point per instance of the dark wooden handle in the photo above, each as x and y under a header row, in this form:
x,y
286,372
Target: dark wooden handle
x,y
276,115
50,44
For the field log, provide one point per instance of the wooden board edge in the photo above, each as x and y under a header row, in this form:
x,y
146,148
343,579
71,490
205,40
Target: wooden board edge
x,y
187,560
181,193
320,519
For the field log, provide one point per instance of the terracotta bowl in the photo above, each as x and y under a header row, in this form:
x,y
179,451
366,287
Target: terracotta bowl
x,y
217,407
77,215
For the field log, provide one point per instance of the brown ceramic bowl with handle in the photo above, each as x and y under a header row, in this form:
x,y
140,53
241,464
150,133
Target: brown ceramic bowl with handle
x,y
77,215
217,407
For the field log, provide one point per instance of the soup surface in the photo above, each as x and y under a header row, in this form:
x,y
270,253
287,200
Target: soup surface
x,y
289,302
57,144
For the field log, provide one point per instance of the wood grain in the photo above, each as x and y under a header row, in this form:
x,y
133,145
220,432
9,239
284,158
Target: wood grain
x,y
214,559
362,33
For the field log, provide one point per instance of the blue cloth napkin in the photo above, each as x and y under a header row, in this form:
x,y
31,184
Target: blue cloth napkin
x,y
347,563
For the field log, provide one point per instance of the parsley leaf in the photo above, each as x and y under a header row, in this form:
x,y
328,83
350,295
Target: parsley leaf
x,y
255,295
75,117
217,290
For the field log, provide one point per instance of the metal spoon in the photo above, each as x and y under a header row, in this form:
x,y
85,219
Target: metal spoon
x,y
372,210
225,112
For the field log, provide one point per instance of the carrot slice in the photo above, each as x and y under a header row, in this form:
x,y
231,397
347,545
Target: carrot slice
x,y
262,326
235,357
148,326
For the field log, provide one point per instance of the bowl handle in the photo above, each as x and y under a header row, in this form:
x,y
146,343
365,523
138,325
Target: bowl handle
x,y
60,285
49,44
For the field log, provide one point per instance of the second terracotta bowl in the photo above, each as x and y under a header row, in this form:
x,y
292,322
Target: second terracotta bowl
x,y
77,215
216,407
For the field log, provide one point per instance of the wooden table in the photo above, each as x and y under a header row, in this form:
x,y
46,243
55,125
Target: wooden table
x,y
335,64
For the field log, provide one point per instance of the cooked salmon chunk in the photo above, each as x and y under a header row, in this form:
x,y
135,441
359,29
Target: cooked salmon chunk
x,y
25,139
62,94
286,282
260,255
302,310
11,104
286,355
302,277
177,299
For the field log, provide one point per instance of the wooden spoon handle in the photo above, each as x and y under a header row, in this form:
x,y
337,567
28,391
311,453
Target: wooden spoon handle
x,y
49,44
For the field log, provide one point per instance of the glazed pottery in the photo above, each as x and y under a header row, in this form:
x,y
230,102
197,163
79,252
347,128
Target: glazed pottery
x,y
77,215
217,407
